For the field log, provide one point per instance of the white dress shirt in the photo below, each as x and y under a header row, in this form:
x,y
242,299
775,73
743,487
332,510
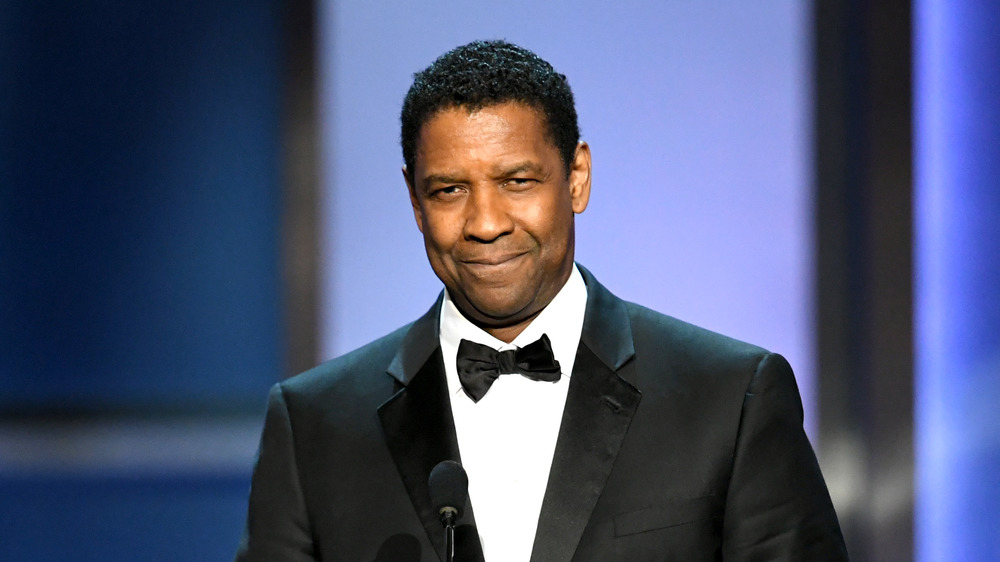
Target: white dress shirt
x,y
508,438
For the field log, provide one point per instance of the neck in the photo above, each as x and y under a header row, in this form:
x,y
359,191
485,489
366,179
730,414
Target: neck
x,y
507,334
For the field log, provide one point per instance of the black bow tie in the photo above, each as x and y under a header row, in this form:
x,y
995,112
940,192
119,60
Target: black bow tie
x,y
480,365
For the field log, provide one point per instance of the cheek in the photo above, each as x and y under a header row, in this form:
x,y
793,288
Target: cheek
x,y
439,233
539,219
552,226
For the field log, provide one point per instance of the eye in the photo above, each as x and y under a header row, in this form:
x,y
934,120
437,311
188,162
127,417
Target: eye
x,y
446,191
517,184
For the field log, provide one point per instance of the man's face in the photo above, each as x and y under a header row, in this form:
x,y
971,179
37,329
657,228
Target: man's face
x,y
492,198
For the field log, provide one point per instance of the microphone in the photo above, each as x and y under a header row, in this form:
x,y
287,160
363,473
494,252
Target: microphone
x,y
449,489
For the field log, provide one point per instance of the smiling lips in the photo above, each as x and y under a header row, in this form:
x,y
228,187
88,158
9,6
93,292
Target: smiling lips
x,y
491,263
493,260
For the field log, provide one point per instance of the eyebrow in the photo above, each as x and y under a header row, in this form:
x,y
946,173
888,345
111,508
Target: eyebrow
x,y
442,178
520,167
526,166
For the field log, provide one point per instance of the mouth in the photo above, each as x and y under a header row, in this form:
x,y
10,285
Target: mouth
x,y
493,264
493,260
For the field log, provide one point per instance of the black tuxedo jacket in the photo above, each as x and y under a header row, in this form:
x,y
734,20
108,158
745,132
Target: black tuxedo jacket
x,y
676,444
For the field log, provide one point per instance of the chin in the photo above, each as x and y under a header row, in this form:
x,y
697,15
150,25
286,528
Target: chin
x,y
498,315
498,311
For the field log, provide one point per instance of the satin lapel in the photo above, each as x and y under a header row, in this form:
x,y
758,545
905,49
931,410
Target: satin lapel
x,y
419,428
599,409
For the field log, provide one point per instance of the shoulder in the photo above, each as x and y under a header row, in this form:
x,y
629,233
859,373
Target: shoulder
x,y
359,374
677,341
663,351
677,358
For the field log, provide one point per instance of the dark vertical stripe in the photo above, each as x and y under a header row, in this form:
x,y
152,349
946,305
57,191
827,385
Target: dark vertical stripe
x,y
864,281
300,212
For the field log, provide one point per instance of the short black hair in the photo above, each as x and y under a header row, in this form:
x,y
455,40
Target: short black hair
x,y
487,73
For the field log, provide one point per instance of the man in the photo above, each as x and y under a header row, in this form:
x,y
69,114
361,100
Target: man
x,y
631,436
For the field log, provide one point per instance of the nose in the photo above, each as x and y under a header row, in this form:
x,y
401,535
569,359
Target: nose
x,y
487,215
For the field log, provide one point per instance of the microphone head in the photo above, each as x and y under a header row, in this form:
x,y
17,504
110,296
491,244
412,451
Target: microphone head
x,y
449,489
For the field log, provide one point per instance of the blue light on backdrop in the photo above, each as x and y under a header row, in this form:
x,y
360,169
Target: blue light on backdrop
x,y
139,273
957,159
139,193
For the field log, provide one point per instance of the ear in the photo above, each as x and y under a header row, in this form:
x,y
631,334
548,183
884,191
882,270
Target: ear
x,y
413,200
579,178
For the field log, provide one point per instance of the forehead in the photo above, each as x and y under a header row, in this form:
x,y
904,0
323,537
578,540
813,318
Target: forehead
x,y
458,135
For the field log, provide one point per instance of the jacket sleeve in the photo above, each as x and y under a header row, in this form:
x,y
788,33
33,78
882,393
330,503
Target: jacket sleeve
x,y
777,506
277,527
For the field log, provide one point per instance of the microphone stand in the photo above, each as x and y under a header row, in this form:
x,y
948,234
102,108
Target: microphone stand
x,y
448,518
